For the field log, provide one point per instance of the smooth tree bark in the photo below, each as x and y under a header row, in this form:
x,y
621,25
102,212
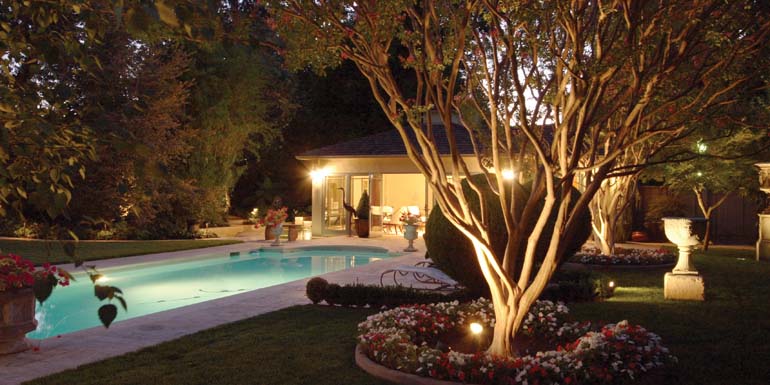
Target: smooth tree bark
x,y
607,209
554,90
707,209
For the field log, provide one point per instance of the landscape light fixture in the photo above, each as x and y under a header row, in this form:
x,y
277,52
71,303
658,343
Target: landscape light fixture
x,y
509,174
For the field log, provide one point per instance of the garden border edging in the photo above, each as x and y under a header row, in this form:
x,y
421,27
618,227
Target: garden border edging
x,y
393,375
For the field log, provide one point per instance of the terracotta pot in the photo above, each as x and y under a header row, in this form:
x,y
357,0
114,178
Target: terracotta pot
x,y
17,318
362,228
277,230
269,236
639,236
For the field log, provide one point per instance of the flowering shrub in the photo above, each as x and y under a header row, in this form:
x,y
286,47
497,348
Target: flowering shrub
x,y
407,339
274,217
409,219
593,256
18,273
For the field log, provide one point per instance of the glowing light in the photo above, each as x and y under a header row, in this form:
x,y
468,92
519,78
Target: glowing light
x,y
319,174
102,279
611,284
509,174
701,147
476,328
699,173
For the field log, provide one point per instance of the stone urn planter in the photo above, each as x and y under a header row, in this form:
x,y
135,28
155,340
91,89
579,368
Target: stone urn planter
x,y
410,234
684,282
17,318
276,231
269,236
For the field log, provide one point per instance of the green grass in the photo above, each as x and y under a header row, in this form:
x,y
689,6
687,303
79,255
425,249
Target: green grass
x,y
40,251
725,340
299,345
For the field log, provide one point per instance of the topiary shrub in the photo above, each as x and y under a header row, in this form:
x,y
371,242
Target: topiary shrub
x,y
454,254
316,289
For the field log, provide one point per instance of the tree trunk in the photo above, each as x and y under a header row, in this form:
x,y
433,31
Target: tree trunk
x,y
707,236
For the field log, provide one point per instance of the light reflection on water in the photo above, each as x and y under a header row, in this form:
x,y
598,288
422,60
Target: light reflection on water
x,y
157,287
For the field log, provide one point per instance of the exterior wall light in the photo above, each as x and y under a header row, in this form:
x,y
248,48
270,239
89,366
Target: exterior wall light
x,y
319,174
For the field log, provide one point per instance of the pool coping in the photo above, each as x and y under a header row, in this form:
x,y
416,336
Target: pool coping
x,y
71,350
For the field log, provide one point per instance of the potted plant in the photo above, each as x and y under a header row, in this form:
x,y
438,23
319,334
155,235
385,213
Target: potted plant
x,y
362,216
273,223
20,284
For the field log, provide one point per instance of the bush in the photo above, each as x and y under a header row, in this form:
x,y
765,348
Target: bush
x,y
316,289
104,235
577,286
375,295
28,230
363,208
454,254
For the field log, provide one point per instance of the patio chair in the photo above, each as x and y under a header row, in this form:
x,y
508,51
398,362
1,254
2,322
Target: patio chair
x,y
423,272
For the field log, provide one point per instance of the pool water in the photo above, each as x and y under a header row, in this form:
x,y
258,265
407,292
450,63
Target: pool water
x,y
153,287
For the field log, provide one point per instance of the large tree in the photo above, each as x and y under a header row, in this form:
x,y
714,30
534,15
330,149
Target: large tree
x,y
600,73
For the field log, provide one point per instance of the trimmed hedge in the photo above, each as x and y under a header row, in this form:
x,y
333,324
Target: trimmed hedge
x,y
377,296
453,253
577,286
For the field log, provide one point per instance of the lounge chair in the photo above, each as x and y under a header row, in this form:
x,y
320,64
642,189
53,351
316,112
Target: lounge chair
x,y
423,273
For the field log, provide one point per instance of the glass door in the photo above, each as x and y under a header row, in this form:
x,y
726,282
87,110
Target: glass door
x,y
375,199
335,216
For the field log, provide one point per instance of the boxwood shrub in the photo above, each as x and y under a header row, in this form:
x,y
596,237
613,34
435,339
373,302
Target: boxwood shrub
x,y
454,254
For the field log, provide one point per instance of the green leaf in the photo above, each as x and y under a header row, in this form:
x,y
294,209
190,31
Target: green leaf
x,y
43,289
122,302
107,314
166,14
95,277
101,292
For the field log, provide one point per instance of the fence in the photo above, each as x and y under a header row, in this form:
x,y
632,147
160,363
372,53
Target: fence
x,y
734,222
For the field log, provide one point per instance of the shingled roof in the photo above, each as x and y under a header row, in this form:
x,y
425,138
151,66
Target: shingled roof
x,y
389,143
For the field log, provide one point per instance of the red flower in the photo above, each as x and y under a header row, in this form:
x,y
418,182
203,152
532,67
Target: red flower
x,y
19,273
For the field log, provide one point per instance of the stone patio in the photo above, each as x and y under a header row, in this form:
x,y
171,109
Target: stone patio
x,y
85,346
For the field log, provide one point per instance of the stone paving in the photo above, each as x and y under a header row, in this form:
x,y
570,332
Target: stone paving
x,y
74,349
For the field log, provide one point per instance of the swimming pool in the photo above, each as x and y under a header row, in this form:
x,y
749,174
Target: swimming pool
x,y
157,286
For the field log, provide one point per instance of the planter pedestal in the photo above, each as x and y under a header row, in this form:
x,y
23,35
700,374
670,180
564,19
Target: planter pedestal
x,y
683,286
683,282
410,234
763,242
17,318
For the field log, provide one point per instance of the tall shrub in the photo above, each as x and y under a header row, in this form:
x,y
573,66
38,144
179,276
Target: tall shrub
x,y
454,254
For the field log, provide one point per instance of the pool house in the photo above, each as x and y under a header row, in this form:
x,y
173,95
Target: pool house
x,y
377,164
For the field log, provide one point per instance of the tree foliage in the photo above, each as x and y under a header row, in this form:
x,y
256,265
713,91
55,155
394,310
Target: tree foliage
x,y
605,75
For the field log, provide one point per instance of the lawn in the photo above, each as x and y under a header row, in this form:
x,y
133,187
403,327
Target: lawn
x,y
40,251
725,340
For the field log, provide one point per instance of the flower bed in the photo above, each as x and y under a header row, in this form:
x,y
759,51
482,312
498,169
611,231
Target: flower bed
x,y
409,339
19,273
625,257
